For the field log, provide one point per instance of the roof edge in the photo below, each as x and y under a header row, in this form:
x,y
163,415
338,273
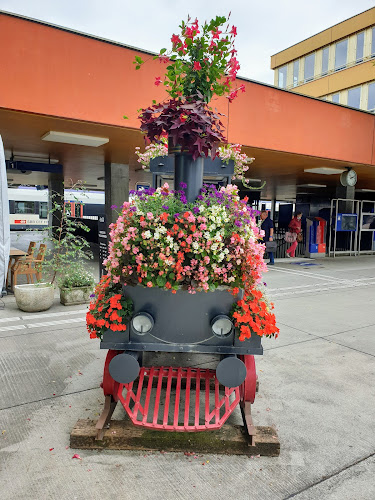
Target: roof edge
x,y
76,32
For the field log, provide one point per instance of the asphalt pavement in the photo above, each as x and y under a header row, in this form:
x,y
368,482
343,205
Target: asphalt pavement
x,y
317,388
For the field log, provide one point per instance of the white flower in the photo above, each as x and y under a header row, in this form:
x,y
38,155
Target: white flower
x,y
147,234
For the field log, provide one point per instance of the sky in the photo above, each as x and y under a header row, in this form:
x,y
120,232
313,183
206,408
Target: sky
x,y
264,27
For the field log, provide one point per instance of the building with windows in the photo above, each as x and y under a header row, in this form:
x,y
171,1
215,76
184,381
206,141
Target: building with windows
x,y
336,65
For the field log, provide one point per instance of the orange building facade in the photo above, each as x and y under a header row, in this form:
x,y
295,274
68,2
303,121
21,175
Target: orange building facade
x,y
61,80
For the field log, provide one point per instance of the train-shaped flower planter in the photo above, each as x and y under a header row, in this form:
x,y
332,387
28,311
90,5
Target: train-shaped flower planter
x,y
174,323
191,278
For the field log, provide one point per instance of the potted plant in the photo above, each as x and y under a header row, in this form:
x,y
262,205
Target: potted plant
x,y
76,286
63,250
204,239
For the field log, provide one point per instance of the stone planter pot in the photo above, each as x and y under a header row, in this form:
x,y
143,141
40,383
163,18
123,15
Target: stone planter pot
x,y
75,296
34,297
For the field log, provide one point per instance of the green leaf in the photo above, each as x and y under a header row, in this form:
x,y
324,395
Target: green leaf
x,y
161,281
125,117
163,51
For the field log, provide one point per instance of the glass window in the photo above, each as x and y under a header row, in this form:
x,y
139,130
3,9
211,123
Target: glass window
x,y
68,208
336,98
325,61
43,210
309,67
282,77
360,45
373,43
371,97
354,97
341,54
24,207
295,72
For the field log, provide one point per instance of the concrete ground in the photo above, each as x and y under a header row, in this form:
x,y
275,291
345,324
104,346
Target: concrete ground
x,y
317,388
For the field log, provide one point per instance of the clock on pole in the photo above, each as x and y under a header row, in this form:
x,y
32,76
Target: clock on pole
x,y
349,178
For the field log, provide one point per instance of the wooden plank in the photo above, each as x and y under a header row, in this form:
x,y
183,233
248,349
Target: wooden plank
x,y
123,435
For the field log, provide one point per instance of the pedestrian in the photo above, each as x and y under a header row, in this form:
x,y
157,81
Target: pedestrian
x,y
295,234
267,227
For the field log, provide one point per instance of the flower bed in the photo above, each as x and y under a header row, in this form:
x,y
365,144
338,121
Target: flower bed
x,y
109,310
160,241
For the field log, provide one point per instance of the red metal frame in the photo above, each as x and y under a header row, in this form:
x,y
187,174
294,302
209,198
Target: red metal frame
x,y
143,404
170,419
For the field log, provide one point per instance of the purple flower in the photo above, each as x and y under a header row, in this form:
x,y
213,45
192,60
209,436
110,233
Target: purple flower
x,y
264,283
183,185
196,210
165,207
113,207
133,209
177,216
92,295
200,197
237,223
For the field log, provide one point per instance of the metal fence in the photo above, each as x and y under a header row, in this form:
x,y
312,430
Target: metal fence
x,y
282,245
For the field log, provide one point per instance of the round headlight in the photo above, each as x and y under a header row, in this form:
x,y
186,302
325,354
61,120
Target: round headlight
x,y
221,326
142,323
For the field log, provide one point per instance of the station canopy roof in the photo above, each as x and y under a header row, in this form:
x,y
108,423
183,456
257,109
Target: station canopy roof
x,y
64,81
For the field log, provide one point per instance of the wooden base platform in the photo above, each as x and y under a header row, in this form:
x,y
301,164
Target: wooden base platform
x,y
123,435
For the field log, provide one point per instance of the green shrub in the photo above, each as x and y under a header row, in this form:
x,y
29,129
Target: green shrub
x,y
76,278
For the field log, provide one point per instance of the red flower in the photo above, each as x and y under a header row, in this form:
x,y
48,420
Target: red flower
x,y
233,31
233,95
157,81
164,217
216,33
163,59
197,65
175,39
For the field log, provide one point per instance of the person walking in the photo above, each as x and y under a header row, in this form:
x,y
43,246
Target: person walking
x,y
267,227
295,229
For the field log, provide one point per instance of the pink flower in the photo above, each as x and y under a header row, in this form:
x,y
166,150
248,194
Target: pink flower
x,y
175,40
149,284
233,31
197,66
157,81
216,33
